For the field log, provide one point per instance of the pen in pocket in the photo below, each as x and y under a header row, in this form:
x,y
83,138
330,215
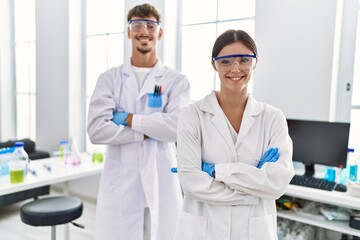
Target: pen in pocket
x,y
154,90
157,90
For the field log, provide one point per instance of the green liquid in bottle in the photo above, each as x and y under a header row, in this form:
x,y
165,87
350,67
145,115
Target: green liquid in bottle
x,y
97,158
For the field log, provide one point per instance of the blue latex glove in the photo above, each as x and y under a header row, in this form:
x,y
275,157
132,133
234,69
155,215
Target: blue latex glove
x,y
271,155
119,118
209,168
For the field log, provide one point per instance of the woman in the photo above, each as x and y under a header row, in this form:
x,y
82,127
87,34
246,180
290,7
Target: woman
x,y
234,153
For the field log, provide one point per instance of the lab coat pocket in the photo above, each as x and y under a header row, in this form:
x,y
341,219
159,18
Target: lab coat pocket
x,y
262,228
155,103
191,227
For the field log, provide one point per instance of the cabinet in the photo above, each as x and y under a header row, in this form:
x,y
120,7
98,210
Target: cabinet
x,y
342,199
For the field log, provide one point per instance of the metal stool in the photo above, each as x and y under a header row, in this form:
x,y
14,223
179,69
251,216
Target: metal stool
x,y
52,211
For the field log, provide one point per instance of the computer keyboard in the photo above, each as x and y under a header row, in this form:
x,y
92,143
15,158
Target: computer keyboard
x,y
312,182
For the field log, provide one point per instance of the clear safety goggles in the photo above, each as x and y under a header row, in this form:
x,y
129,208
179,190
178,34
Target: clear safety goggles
x,y
138,24
226,63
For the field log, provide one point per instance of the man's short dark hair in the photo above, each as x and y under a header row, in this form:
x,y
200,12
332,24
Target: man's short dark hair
x,y
143,11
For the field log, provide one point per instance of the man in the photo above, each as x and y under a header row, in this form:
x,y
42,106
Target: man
x,y
134,111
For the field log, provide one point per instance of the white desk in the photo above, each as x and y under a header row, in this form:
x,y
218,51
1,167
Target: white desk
x,y
60,173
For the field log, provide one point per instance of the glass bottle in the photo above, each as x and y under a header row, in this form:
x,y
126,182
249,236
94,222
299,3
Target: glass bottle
x,y
64,149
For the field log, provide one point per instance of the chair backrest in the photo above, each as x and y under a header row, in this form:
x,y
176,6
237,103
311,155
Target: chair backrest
x,y
29,145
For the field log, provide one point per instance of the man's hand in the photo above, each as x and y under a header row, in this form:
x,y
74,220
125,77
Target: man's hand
x,y
209,168
120,118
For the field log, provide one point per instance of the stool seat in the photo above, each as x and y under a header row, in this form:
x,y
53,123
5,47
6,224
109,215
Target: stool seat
x,y
51,211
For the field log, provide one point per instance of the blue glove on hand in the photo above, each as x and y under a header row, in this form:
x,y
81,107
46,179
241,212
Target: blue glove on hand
x,y
119,118
271,155
209,168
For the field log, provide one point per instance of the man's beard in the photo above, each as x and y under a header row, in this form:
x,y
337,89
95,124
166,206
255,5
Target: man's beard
x,y
144,50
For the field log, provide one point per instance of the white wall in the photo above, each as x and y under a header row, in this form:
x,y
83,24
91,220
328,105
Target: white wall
x,y
296,48
76,64
52,73
60,85
7,73
347,43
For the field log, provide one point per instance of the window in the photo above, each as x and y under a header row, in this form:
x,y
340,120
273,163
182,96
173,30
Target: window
x,y
25,46
104,42
354,140
199,31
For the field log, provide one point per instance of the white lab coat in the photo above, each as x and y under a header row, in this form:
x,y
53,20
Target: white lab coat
x,y
240,202
137,171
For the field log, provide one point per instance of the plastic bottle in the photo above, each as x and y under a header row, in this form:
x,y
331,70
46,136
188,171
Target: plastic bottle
x,y
3,165
342,175
64,150
330,174
20,154
352,165
357,158
5,157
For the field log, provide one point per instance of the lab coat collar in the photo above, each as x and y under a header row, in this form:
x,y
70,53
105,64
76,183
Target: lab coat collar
x,y
153,78
252,109
157,71
211,105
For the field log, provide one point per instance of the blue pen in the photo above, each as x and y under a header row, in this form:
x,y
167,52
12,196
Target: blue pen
x,y
47,167
33,172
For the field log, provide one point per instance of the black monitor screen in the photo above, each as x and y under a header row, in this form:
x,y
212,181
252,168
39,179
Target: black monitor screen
x,y
317,142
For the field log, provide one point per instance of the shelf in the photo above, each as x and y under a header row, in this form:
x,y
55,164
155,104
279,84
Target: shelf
x,y
341,199
338,226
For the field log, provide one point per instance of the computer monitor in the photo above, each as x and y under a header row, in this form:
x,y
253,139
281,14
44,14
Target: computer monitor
x,y
317,142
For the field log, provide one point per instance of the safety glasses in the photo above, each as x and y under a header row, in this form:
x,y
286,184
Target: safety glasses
x,y
226,63
138,24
